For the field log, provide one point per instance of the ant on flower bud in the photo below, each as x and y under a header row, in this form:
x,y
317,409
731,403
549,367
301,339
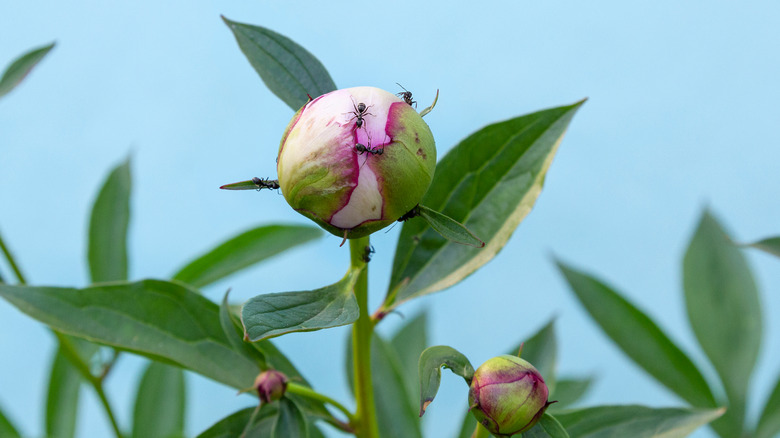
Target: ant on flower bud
x,y
265,183
406,95
360,111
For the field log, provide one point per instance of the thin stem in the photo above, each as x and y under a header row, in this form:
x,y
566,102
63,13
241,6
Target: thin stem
x,y
12,262
305,391
480,432
70,351
365,418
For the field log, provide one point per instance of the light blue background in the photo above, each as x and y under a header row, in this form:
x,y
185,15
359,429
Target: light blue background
x,y
683,114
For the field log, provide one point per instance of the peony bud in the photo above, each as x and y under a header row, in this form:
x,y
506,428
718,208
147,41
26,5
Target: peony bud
x,y
271,385
507,395
355,160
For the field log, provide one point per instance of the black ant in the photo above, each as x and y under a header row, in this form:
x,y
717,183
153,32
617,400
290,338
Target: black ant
x,y
360,111
360,148
367,253
414,212
406,95
265,183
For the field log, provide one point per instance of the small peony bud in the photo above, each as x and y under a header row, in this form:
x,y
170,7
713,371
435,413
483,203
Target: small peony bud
x,y
270,385
355,160
507,395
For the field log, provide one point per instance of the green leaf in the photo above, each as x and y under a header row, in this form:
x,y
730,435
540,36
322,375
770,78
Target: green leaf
x,y
396,414
640,338
770,245
769,424
547,427
449,228
20,67
431,361
290,421
408,343
244,250
231,326
541,350
489,182
158,319
233,425
427,110
269,315
6,428
62,401
724,310
567,392
107,252
160,403
287,69
635,421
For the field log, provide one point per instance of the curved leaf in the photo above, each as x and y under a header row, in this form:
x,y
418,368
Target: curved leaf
x,y
21,67
640,338
724,310
770,245
107,251
489,182
287,69
269,315
62,401
158,319
769,424
635,421
160,403
431,361
290,421
244,250
547,427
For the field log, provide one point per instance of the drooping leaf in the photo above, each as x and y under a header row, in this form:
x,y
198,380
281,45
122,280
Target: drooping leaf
x,y
158,319
244,250
269,315
62,400
6,428
489,183
160,403
567,392
449,228
770,245
541,351
290,421
233,425
287,69
107,249
427,110
724,310
640,338
635,421
769,423
547,427
408,343
20,67
431,361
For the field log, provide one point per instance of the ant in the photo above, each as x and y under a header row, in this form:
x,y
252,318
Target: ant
x,y
406,95
265,183
360,111
360,148
367,251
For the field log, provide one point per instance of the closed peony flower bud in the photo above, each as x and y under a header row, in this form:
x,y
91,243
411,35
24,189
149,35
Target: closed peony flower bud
x,y
355,160
507,395
271,385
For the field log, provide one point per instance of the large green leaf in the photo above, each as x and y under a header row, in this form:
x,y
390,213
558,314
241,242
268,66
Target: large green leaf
x,y
20,67
489,182
541,350
6,428
287,69
154,318
567,392
724,311
547,427
635,421
640,338
290,421
62,400
771,245
160,403
769,424
408,343
431,362
107,252
269,315
234,424
244,250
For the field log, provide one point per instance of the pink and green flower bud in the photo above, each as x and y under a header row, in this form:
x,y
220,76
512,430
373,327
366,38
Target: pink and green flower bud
x,y
507,395
355,160
271,385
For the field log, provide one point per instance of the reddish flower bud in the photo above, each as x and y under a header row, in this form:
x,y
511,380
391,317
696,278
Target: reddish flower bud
x,y
271,385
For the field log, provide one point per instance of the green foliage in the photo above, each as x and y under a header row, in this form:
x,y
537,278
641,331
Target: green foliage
x,y
431,362
769,423
489,183
548,427
567,392
107,252
449,228
21,67
160,403
62,400
6,428
236,424
290,421
770,245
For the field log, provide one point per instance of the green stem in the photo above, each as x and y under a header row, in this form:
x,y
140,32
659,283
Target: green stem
x,y
480,432
70,351
305,391
365,418
12,262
